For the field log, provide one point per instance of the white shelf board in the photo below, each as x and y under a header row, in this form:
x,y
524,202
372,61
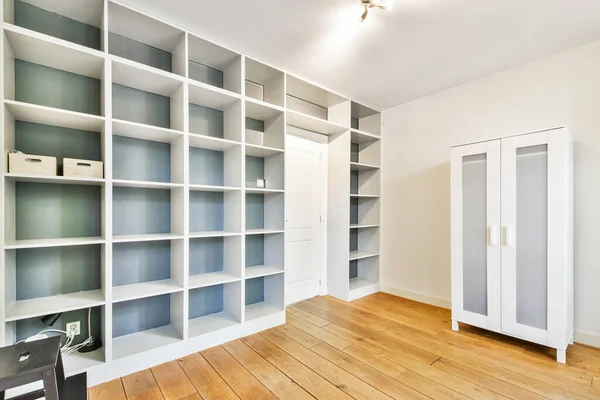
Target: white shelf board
x,y
58,242
261,151
259,310
212,96
142,77
366,196
357,136
211,323
262,190
46,50
145,289
23,309
262,270
359,283
144,132
363,226
66,180
359,255
261,110
310,123
139,342
212,143
146,184
211,188
260,73
54,116
209,234
263,231
306,91
211,279
362,167
150,237
76,363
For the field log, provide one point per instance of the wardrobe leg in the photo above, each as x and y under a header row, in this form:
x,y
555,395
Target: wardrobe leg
x,y
561,356
454,325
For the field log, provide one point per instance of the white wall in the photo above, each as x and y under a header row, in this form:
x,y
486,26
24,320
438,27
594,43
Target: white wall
x,y
563,89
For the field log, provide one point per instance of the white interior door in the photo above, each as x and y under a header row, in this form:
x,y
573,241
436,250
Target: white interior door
x,y
305,192
475,235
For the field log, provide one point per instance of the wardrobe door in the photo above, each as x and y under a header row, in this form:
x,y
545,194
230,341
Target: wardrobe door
x,y
475,191
535,230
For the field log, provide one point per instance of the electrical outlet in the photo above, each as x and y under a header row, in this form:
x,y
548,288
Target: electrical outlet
x,y
74,328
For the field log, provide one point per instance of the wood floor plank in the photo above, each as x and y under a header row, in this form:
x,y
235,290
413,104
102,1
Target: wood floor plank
x,y
172,381
319,333
312,382
139,383
112,390
313,319
237,377
205,379
340,378
277,382
151,394
299,336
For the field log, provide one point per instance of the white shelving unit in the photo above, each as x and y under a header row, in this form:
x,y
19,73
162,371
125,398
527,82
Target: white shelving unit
x,y
179,247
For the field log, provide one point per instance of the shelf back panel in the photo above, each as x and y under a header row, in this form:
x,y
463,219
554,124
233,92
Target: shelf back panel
x,y
207,211
141,160
353,269
255,250
140,315
139,52
206,121
37,19
54,141
207,167
141,262
141,211
255,169
206,301
205,74
52,271
255,290
51,87
142,107
46,210
206,255
255,211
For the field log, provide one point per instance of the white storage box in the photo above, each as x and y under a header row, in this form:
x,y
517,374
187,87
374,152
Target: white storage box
x,y
31,164
83,168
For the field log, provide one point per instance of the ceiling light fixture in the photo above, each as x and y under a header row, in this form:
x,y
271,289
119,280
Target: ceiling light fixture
x,y
368,4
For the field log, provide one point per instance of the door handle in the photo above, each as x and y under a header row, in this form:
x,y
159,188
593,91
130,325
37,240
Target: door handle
x,y
492,239
508,239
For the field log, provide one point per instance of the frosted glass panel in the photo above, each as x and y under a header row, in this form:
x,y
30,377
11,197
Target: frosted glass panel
x,y
532,236
475,234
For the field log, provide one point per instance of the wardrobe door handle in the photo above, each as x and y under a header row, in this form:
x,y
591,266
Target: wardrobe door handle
x,y
493,240
508,239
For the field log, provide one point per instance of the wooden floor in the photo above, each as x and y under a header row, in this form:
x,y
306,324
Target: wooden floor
x,y
379,347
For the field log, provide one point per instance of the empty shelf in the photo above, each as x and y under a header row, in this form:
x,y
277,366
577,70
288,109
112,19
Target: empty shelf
x,y
145,184
259,310
260,110
142,77
145,132
263,231
151,237
75,363
59,242
67,180
262,270
54,116
313,124
362,167
144,289
363,226
212,96
208,234
210,279
263,190
210,188
261,151
211,143
366,196
358,255
211,323
140,342
359,283
358,136
54,304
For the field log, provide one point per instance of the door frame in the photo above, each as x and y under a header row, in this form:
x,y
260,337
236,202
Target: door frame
x,y
323,141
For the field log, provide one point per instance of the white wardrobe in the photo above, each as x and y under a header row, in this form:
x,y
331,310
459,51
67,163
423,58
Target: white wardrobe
x,y
512,237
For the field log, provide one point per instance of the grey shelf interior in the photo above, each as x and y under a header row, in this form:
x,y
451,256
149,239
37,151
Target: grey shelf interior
x,y
207,121
141,262
207,167
141,160
142,314
215,254
264,250
141,211
207,211
270,169
255,290
365,118
139,106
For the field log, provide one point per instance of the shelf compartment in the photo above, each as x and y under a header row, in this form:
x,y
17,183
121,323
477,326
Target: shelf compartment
x,y
35,211
54,179
261,151
309,123
355,166
364,211
139,211
54,304
78,23
213,188
366,155
265,125
146,324
72,84
359,255
146,132
364,243
212,143
264,83
75,362
39,243
264,255
147,97
145,269
365,182
215,260
145,237
365,119
363,226
270,169
264,296
265,211
215,212
363,273
214,65
216,167
148,161
358,136
144,40
213,308
215,114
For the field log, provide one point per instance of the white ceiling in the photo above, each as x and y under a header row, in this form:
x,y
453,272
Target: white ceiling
x,y
418,48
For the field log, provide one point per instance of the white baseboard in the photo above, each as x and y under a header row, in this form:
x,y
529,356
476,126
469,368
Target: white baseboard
x,y
583,337
422,298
